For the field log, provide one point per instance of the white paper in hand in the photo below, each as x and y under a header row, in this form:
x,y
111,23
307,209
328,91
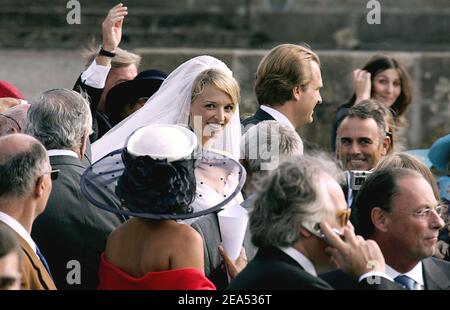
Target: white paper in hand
x,y
233,223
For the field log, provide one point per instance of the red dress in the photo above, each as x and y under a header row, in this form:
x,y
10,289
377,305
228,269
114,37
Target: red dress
x,y
113,278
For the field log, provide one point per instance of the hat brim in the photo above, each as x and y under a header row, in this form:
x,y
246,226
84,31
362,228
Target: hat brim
x,y
98,184
128,92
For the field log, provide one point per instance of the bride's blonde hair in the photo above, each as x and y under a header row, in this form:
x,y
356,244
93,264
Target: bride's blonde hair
x,y
222,81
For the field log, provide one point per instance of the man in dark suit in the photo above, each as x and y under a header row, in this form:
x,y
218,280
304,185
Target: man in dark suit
x,y
397,209
72,233
25,185
288,82
294,213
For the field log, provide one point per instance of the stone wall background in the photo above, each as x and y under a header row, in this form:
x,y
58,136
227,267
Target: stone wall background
x,y
39,50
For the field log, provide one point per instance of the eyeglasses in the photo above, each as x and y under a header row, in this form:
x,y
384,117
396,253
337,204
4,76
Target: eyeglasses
x,y
53,174
15,121
344,216
424,213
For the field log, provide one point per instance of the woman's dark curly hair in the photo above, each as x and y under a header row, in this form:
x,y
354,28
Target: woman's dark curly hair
x,y
155,186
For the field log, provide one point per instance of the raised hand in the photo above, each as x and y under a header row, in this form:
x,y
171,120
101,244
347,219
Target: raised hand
x,y
353,254
112,27
362,84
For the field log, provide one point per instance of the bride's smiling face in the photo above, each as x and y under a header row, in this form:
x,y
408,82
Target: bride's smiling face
x,y
214,108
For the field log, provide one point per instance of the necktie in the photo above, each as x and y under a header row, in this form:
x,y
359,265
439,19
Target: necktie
x,y
43,260
406,282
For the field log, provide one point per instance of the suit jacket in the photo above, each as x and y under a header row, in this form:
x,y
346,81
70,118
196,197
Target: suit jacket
x,y
71,229
436,275
258,117
272,269
100,122
34,274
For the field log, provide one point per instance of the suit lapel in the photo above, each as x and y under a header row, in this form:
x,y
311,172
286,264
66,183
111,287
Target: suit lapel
x,y
434,278
40,271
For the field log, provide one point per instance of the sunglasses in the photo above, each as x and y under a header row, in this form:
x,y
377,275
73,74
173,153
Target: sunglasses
x,y
344,216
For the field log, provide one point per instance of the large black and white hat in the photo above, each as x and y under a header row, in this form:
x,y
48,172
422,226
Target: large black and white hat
x,y
153,176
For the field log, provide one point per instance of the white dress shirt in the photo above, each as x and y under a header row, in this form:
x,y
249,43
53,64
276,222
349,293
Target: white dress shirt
x,y
18,228
301,259
62,152
279,117
416,274
309,267
95,76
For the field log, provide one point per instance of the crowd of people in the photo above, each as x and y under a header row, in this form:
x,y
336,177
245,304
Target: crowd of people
x,y
117,184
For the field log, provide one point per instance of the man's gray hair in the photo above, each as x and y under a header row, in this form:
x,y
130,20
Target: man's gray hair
x,y
19,171
59,118
371,108
268,143
290,197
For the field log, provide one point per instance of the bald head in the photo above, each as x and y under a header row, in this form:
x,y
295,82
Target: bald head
x,y
14,119
11,146
22,160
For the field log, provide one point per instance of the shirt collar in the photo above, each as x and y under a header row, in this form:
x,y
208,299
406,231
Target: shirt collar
x,y
18,228
62,152
416,273
301,259
277,115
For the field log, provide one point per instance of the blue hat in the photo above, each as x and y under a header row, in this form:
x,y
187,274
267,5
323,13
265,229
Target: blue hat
x,y
440,153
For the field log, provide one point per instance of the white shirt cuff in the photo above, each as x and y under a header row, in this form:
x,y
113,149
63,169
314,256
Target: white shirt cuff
x,y
374,274
95,76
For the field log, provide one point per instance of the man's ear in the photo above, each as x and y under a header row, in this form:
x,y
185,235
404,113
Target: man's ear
x,y
379,219
385,145
296,93
39,188
84,142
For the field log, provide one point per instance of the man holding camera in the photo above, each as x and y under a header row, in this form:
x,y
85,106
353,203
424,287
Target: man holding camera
x,y
361,142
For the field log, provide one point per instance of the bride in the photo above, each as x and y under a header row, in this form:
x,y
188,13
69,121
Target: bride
x,y
202,94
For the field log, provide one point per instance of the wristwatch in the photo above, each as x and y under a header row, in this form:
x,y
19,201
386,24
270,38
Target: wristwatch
x,y
106,53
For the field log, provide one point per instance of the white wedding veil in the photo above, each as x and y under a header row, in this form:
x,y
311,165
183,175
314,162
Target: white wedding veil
x,y
171,105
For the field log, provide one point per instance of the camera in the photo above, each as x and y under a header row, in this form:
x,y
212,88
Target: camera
x,y
357,178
